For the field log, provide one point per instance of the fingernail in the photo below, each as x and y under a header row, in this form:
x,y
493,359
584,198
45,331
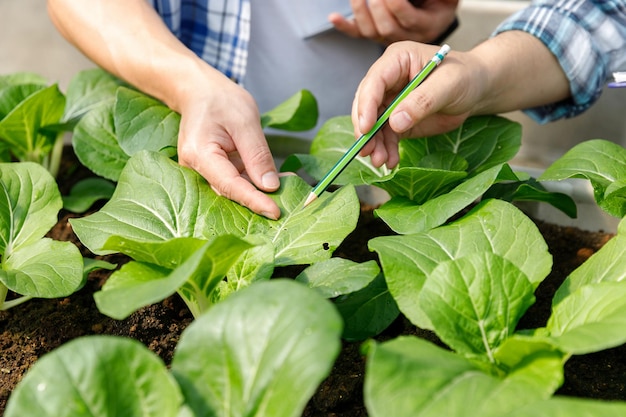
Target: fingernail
x,y
400,121
269,215
362,124
270,180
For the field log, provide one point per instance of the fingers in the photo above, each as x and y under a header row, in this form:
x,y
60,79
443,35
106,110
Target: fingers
x,y
227,151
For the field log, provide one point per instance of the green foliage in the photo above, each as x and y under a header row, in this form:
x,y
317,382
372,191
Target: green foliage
x,y
436,176
262,352
471,281
157,201
106,138
601,162
34,116
32,265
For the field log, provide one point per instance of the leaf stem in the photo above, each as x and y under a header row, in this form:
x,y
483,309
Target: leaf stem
x,y
55,156
15,302
3,295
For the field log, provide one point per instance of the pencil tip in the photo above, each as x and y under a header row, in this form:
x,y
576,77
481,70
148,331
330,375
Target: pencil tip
x,y
312,197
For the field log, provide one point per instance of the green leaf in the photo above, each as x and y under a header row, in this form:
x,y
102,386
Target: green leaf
x,y
410,377
606,265
157,199
297,113
12,95
531,190
95,143
21,128
263,351
368,311
31,265
428,167
419,184
404,216
590,319
86,378
86,192
45,269
601,162
143,123
474,302
482,141
493,226
29,204
338,276
187,265
87,90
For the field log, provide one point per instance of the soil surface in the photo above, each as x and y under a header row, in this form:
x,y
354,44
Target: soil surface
x,y
38,326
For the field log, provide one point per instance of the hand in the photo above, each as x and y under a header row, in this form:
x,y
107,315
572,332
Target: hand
x,y
388,21
221,138
440,104
497,76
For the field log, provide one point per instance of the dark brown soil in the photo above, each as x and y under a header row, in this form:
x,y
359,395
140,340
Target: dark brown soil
x,y
38,326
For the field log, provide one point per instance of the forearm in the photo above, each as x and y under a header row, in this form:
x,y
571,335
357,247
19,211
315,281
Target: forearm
x,y
128,39
519,73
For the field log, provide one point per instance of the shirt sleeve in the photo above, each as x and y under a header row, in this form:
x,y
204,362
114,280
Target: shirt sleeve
x,y
588,38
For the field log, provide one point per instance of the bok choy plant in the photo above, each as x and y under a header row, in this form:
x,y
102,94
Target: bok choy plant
x,y
184,238
470,281
437,176
34,115
262,352
31,264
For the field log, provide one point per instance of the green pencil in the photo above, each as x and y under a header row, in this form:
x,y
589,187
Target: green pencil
x,y
354,150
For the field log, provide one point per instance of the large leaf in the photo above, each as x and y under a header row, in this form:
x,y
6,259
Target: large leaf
x,y
21,128
87,90
410,377
482,141
45,269
590,319
494,226
143,123
97,376
405,216
338,276
29,205
186,265
157,199
261,352
95,143
13,95
606,265
603,163
474,302
428,166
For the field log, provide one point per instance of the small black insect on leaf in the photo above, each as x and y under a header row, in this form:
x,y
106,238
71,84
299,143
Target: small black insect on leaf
x,y
326,246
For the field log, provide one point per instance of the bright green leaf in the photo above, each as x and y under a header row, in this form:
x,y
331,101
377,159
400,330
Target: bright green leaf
x,y
474,302
97,376
493,226
261,352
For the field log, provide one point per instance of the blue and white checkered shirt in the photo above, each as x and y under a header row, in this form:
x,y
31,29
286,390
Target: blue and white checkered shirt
x,y
587,37
217,31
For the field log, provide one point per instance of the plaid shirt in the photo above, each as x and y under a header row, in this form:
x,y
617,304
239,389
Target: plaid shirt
x,y
589,40
217,31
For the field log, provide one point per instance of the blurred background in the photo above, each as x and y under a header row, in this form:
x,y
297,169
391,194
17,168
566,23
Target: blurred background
x,y
29,42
